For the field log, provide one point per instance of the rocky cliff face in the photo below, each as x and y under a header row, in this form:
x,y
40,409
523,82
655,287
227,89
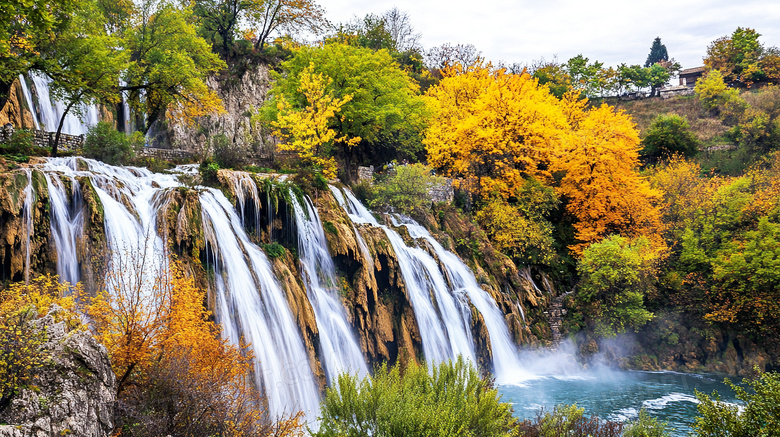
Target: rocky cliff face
x,y
15,110
239,96
74,392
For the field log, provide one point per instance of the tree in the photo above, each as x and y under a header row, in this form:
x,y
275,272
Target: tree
x,y
450,400
219,20
106,144
21,343
168,66
657,53
385,111
26,28
667,136
584,75
604,193
84,63
407,190
493,129
306,130
552,74
615,274
291,16
742,59
760,415
448,55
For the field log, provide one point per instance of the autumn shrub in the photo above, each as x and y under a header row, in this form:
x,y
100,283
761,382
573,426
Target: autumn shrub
x,y
669,135
759,416
716,97
570,421
20,341
176,375
106,144
407,190
450,400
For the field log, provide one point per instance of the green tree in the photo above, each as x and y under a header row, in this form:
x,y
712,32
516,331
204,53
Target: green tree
x,y
385,111
106,144
451,400
759,418
552,74
718,98
27,27
84,63
657,53
658,76
168,66
742,59
615,274
584,75
407,190
668,135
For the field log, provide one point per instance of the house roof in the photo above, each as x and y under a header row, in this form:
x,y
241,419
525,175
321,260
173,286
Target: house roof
x,y
694,70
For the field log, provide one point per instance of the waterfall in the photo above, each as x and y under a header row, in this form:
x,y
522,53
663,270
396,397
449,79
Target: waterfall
x,y
67,223
440,292
28,99
339,349
506,363
251,305
442,314
51,110
27,214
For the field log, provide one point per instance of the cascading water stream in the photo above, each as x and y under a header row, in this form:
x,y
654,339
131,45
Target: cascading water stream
x,y
340,352
251,305
29,100
51,110
442,314
67,223
29,200
506,363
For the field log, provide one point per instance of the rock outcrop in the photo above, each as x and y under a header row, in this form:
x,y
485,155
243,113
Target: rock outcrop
x,y
239,95
15,110
74,393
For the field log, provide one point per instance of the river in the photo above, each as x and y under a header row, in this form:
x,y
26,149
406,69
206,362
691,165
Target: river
x,y
619,395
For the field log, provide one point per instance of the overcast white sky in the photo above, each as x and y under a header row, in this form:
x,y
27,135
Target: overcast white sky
x,y
610,31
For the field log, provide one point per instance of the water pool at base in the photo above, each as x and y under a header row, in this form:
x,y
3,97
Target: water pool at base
x,y
619,395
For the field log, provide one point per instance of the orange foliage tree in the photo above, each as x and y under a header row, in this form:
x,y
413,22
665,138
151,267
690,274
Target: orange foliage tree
x,y
600,183
176,374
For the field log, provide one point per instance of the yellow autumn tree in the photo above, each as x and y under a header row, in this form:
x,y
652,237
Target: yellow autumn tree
x,y
306,130
493,129
602,189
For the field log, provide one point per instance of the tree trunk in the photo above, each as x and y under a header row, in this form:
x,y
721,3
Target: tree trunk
x,y
59,129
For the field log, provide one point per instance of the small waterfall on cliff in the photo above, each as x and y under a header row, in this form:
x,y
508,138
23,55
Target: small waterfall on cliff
x,y
51,110
442,313
250,303
507,367
339,349
440,292
67,223
27,214
29,100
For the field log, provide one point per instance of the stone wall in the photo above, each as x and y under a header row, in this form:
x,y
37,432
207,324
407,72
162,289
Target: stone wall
x,y
45,139
166,154
366,174
442,193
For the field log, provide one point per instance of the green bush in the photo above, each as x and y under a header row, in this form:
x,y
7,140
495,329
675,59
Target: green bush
x,y
569,421
669,135
226,153
20,143
760,416
273,250
646,426
407,190
106,144
208,172
452,400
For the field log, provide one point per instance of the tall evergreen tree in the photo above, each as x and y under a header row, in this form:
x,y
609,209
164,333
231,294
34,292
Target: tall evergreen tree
x,y
657,53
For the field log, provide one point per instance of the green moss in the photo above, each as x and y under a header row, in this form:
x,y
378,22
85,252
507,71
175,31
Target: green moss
x,y
273,250
330,227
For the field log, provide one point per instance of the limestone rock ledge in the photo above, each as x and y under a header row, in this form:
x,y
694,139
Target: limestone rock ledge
x,y
74,393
